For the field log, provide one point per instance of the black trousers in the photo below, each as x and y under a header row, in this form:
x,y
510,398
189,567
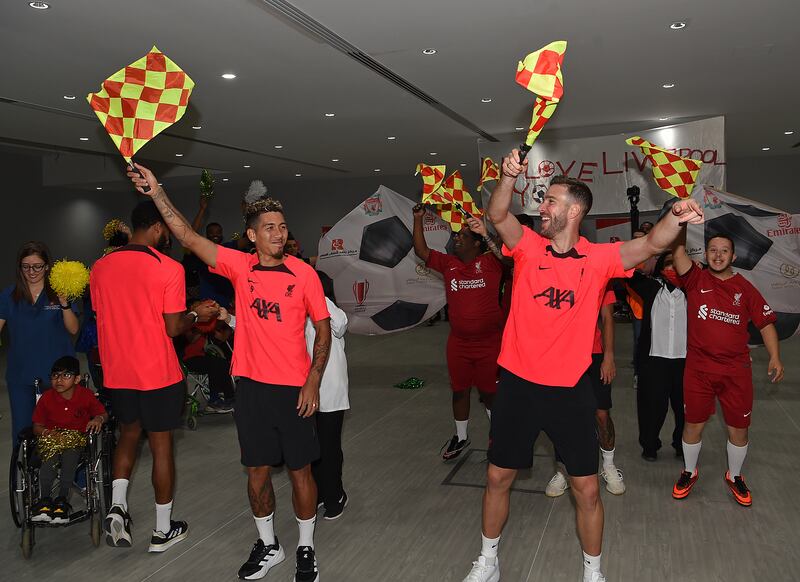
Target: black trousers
x,y
327,470
218,370
660,386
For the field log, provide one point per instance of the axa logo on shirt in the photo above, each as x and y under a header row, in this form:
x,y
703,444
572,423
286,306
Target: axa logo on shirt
x,y
555,297
705,313
264,308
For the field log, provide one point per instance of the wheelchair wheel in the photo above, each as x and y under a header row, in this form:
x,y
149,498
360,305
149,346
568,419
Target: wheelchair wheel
x,y
27,541
105,479
96,525
191,422
17,481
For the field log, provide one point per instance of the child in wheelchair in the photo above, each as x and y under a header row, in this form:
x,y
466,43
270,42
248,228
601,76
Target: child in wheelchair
x,y
67,405
206,352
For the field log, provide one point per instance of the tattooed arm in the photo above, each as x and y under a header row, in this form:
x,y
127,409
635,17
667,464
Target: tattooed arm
x,y
205,250
308,401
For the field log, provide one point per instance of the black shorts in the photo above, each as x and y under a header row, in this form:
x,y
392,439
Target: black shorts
x,y
522,409
156,410
269,428
602,392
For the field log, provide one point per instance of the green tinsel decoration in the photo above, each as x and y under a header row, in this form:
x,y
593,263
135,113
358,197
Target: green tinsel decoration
x,y
207,184
412,383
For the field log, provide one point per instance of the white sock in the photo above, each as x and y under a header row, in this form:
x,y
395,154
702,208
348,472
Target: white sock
x,y
608,458
489,548
119,493
163,516
306,531
736,457
461,429
591,563
266,531
488,414
690,455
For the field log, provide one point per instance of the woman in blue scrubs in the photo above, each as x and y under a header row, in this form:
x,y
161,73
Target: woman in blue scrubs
x,y
40,324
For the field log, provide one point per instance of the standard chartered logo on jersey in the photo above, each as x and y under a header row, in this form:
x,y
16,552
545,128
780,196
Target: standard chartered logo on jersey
x,y
705,313
466,284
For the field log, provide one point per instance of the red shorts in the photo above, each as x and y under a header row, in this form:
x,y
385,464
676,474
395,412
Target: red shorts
x,y
734,391
473,363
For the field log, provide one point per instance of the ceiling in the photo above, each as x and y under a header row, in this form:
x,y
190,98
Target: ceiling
x,y
733,58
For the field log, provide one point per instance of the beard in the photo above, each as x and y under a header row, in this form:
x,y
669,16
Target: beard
x,y
556,224
164,244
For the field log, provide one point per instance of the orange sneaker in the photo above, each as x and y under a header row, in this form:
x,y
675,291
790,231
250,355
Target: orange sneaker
x,y
740,491
685,483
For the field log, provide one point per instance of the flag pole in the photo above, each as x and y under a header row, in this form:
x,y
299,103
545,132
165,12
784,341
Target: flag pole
x,y
135,170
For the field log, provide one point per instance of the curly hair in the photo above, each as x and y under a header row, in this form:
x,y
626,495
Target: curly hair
x,y
255,209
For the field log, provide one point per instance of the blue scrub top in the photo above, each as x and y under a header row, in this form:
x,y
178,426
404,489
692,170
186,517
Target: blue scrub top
x,y
37,337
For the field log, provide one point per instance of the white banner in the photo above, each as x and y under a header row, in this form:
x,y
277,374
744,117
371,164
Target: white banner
x,y
378,280
610,166
767,249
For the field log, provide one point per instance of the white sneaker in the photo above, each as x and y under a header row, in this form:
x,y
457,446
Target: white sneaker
x,y
483,572
613,479
594,577
557,485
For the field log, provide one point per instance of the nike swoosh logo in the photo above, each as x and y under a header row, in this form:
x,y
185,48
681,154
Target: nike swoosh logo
x,y
748,414
706,290
544,268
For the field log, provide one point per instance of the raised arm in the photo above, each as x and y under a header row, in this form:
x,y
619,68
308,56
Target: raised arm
x,y
479,227
505,223
200,217
680,258
205,250
420,245
663,234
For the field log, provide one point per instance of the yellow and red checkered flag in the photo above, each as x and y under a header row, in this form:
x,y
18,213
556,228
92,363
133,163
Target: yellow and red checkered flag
x,y
540,71
461,206
432,178
673,174
138,102
542,111
489,171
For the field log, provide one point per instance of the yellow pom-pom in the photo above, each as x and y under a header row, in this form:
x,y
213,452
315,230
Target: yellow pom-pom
x,y
69,279
112,227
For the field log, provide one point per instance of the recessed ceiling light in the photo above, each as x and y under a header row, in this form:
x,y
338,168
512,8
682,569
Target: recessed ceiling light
x,y
788,132
245,166
663,118
178,155
677,25
463,165
69,97
228,76
432,153
486,100
225,179
668,85
39,5
99,188
334,159
298,175
429,51
376,170
391,137
519,128
83,138
278,147
765,149
330,114
197,127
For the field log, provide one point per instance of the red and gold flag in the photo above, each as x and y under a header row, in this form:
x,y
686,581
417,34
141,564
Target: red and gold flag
x,y
540,71
489,171
673,174
542,111
140,101
432,178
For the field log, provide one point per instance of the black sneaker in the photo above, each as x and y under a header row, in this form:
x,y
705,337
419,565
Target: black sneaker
x,y
117,526
161,542
454,448
306,565
42,510
262,559
61,510
336,511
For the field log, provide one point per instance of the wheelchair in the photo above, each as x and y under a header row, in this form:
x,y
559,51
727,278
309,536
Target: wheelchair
x,y
198,391
24,488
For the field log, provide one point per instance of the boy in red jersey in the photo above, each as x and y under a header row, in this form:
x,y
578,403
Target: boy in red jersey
x,y
278,388
472,285
559,279
139,296
720,304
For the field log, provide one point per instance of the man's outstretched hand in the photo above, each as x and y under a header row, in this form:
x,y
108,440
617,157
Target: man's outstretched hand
x,y
147,178
688,211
